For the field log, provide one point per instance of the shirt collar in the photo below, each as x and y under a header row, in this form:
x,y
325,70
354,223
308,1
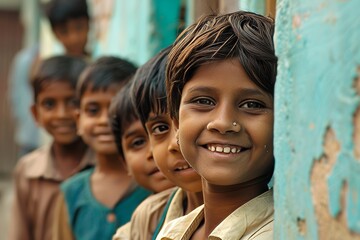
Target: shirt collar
x,y
43,166
252,215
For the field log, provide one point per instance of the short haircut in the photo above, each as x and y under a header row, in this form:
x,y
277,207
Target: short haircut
x,y
60,11
103,73
57,68
149,92
244,36
121,114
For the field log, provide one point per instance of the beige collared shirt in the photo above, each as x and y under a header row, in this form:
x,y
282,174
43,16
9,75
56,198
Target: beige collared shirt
x,y
37,181
253,220
147,215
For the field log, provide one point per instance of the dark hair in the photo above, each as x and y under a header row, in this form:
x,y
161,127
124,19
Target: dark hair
x,y
245,36
148,90
103,73
121,114
57,68
60,11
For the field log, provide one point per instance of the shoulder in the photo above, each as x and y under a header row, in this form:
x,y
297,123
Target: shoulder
x,y
176,228
265,232
153,204
31,163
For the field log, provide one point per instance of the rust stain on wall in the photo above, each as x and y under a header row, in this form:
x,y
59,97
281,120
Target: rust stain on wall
x,y
328,227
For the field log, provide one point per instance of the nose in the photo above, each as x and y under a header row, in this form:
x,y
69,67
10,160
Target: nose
x,y
224,120
173,141
61,111
149,154
104,118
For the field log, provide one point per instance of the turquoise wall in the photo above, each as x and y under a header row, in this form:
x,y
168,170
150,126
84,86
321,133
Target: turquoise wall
x,y
138,29
318,45
257,6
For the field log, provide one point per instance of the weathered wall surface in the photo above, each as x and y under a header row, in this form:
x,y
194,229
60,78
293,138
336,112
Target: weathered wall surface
x,y
317,128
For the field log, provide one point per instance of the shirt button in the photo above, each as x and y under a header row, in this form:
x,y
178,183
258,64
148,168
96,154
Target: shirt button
x,y
111,217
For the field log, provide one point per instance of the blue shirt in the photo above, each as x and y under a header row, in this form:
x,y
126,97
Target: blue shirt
x,y
89,219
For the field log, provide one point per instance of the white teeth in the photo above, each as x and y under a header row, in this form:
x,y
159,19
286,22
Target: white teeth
x,y
224,149
183,167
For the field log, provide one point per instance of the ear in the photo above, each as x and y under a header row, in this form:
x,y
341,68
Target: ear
x,y
35,114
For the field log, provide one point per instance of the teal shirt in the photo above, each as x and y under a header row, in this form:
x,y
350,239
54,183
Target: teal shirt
x,y
89,219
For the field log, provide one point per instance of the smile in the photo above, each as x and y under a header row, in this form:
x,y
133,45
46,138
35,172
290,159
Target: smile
x,y
223,149
182,168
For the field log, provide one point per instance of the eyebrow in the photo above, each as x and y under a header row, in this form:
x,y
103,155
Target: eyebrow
x,y
129,134
242,91
155,117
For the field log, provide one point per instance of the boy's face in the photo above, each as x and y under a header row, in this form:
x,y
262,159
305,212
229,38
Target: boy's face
x,y
73,35
139,159
93,121
222,152
55,111
167,154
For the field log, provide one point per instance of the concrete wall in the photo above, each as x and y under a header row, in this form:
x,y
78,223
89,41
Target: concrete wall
x,y
317,112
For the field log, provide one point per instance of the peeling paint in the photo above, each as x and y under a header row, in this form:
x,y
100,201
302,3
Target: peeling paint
x,y
296,21
329,227
356,84
316,173
301,223
357,134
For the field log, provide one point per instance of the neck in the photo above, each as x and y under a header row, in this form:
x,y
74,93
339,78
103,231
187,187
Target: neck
x,y
230,197
69,152
110,163
194,200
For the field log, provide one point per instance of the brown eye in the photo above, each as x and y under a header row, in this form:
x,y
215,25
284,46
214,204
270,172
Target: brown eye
x,y
252,105
48,103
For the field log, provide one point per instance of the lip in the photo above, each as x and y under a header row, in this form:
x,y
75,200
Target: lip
x,y
64,128
180,165
105,137
156,173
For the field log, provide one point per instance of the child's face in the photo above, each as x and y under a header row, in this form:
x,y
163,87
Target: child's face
x,y
139,159
167,154
73,35
55,110
218,95
93,122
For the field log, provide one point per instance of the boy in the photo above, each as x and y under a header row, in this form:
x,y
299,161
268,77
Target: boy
x,y
220,82
69,22
99,200
133,144
150,99
38,174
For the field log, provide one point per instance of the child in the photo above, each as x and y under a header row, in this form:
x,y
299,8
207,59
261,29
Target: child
x,y
38,174
133,144
150,99
99,200
69,22
220,84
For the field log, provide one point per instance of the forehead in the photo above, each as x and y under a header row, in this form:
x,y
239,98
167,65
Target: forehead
x,y
102,94
70,22
56,87
134,128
